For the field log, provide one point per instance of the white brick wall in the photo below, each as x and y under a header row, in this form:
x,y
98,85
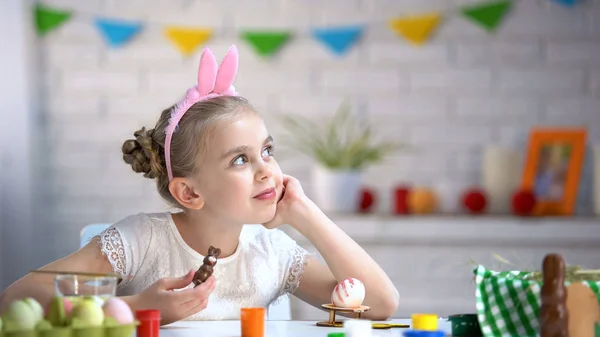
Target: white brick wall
x,y
451,97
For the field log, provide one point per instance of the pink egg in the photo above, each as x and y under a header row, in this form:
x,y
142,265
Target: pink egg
x,y
66,304
119,310
350,293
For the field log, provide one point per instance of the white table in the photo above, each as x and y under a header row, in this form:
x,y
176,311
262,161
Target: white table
x,y
272,329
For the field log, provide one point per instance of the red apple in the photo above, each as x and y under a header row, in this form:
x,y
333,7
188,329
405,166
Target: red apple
x,y
523,202
475,201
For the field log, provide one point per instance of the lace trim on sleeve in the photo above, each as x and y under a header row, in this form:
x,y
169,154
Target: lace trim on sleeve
x,y
298,256
112,247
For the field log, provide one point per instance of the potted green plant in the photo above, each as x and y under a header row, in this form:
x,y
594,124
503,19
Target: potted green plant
x,y
342,147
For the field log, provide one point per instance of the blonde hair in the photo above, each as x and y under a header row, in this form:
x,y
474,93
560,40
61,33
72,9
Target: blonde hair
x,y
146,153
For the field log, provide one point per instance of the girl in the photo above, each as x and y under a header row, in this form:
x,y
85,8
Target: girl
x,y
212,156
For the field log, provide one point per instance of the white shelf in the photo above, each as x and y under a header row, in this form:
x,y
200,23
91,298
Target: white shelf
x,y
468,230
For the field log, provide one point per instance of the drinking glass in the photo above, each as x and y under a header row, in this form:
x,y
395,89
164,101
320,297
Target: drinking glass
x,y
75,287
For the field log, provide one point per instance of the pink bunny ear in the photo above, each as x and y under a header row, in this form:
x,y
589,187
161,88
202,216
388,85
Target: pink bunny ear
x,y
207,72
227,71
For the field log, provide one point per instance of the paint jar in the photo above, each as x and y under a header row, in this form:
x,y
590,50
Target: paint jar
x,y
149,325
252,322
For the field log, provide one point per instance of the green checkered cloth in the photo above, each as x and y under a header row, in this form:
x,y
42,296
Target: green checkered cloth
x,y
508,303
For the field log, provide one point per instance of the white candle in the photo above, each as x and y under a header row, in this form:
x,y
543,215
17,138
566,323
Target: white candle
x,y
501,176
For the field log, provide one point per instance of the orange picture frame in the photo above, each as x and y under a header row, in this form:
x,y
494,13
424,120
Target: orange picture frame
x,y
553,168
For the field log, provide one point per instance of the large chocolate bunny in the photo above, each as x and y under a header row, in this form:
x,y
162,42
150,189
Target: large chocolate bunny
x,y
206,269
553,315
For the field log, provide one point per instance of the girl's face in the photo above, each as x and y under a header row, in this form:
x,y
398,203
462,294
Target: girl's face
x,y
240,180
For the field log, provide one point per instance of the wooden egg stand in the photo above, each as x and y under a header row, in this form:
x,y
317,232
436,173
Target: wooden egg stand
x,y
333,310
565,311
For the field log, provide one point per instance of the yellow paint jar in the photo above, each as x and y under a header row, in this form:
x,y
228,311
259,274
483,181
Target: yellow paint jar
x,y
425,322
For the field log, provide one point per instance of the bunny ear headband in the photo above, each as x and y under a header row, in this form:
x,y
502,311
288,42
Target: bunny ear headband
x,y
213,81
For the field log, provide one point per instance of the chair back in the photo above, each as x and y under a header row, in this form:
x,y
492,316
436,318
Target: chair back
x,y
89,231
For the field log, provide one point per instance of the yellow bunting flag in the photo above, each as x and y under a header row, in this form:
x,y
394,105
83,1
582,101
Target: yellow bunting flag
x,y
187,39
416,29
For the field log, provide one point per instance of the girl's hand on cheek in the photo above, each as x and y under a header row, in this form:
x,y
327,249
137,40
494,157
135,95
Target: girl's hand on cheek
x,y
290,204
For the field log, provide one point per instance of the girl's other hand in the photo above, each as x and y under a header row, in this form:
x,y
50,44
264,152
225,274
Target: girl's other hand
x,y
175,305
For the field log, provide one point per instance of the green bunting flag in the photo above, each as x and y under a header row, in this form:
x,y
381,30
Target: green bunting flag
x,y
488,15
47,19
266,43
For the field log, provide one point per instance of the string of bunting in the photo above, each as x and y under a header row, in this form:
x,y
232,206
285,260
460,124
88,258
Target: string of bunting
x,y
416,29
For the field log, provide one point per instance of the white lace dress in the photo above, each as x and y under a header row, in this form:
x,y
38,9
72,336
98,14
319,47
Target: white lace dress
x,y
267,264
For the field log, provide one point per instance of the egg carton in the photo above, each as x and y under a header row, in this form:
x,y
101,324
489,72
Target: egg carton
x,y
101,331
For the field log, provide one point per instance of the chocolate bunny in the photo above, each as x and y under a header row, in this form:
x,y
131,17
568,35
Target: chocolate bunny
x,y
206,269
553,314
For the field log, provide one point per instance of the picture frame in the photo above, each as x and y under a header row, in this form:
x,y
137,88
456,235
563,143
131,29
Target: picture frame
x,y
553,168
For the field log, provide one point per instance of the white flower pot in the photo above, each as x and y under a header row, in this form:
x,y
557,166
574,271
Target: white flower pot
x,y
336,191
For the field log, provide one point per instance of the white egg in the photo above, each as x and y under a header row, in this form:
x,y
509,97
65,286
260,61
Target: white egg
x,y
350,293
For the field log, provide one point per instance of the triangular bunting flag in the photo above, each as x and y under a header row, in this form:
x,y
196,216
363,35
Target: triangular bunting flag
x,y
47,19
416,29
338,39
487,15
117,32
187,39
266,43
567,3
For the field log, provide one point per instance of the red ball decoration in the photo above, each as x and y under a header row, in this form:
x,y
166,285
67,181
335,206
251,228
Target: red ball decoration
x,y
367,200
474,201
523,202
